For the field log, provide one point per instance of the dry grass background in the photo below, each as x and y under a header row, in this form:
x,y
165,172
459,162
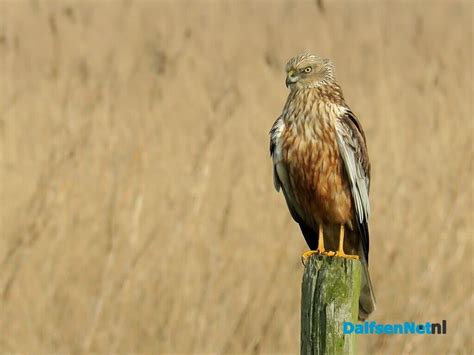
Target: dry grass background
x,y
138,213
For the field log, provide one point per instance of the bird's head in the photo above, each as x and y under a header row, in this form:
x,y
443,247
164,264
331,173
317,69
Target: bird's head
x,y
308,71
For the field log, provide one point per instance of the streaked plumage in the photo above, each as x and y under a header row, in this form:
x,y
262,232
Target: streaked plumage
x,y
321,164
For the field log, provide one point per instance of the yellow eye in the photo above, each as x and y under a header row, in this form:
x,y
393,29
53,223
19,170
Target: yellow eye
x,y
308,69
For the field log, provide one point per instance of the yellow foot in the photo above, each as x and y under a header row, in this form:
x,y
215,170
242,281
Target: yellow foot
x,y
341,254
307,255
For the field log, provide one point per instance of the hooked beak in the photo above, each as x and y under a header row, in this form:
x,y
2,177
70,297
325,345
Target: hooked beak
x,y
290,78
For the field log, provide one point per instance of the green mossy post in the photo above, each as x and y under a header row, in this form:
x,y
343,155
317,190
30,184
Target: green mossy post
x,y
329,297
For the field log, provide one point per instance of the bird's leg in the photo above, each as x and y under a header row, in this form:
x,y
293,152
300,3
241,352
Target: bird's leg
x,y
320,250
340,252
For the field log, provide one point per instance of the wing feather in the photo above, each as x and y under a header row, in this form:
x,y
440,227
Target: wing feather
x,y
275,150
353,149
281,178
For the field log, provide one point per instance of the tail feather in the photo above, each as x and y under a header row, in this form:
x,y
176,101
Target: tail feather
x,y
367,303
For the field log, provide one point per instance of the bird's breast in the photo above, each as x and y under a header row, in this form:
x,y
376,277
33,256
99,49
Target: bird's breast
x,y
316,172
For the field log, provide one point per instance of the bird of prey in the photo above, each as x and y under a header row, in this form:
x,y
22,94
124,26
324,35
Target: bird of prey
x,y
320,162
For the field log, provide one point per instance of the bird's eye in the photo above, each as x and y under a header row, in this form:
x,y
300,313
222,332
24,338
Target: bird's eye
x,y
307,69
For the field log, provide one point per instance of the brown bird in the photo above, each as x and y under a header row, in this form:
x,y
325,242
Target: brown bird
x,y
321,164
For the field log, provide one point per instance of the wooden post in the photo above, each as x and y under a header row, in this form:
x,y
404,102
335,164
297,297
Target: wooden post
x,y
329,297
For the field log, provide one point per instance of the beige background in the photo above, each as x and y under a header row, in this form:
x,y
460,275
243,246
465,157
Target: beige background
x,y
137,208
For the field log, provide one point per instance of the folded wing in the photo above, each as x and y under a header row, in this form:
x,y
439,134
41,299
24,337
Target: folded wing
x,y
353,150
